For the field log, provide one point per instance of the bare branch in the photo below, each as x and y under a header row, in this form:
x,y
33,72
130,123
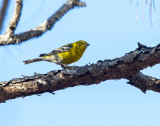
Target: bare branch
x,y
144,82
42,28
123,67
3,13
15,19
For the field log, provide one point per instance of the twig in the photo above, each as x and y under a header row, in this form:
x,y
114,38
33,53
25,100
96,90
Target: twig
x,y
15,19
42,28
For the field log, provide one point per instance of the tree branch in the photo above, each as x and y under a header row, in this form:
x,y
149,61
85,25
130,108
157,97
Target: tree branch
x,y
144,82
15,19
42,28
127,67
3,13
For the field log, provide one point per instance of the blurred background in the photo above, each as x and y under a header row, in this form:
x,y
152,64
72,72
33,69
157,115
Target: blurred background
x,y
112,28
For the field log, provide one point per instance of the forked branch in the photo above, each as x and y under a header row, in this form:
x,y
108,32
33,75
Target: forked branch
x,y
10,38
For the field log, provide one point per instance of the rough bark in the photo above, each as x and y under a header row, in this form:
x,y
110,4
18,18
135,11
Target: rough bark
x,y
126,67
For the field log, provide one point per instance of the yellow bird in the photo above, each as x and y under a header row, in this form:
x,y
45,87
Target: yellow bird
x,y
64,55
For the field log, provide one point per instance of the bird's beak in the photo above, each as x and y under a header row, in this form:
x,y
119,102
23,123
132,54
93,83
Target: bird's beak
x,y
87,44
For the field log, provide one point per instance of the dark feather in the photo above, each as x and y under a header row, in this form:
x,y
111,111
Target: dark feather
x,y
59,50
42,55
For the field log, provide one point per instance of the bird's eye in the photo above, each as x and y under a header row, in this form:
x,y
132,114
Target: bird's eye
x,y
81,43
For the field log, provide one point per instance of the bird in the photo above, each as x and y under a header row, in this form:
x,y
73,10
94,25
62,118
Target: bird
x,y
64,55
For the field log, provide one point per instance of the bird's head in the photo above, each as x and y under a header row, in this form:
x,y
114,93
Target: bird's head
x,y
82,43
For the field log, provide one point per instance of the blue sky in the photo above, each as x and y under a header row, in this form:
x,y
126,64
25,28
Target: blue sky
x,y
111,29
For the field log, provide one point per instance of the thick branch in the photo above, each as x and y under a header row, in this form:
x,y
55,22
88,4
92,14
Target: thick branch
x,y
42,28
123,67
3,13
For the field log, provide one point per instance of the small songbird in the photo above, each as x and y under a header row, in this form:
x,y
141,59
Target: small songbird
x,y
64,55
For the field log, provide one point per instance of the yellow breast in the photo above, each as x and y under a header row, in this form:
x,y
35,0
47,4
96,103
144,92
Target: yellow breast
x,y
73,55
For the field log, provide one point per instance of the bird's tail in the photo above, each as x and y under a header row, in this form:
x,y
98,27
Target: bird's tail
x,y
32,60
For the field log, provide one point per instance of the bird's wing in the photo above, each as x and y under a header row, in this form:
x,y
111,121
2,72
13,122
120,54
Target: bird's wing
x,y
59,50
